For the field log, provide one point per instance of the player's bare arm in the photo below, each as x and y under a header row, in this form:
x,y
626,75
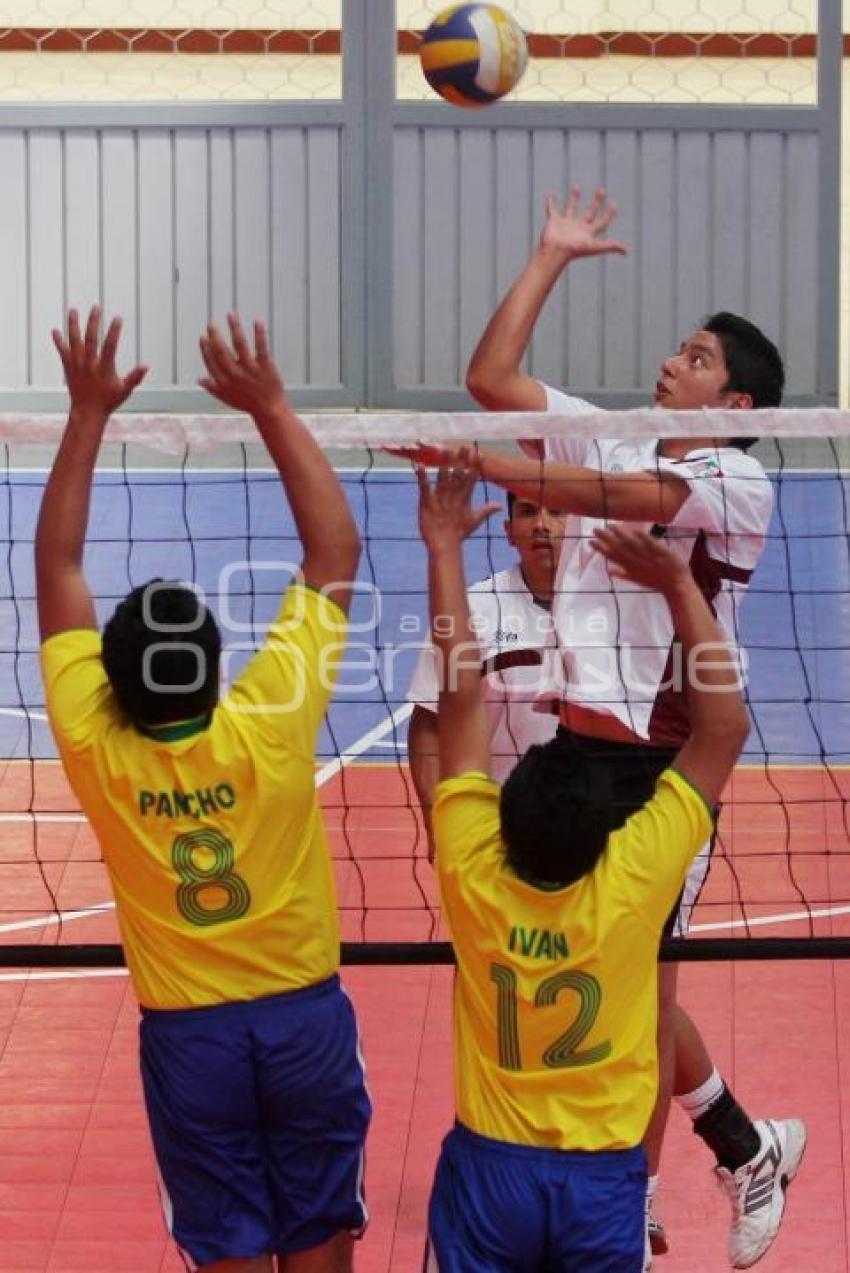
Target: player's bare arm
x,y
567,488
639,497
248,380
495,377
446,519
423,750
719,722
96,390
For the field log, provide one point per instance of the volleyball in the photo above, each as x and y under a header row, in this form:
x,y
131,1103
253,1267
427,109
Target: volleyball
x,y
473,54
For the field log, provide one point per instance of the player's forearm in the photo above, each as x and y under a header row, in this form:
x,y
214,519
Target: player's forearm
x,y
63,517
424,754
459,658
585,492
710,665
556,486
323,519
423,750
501,349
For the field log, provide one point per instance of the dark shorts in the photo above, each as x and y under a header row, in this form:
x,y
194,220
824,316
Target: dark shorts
x,y
258,1113
501,1208
634,769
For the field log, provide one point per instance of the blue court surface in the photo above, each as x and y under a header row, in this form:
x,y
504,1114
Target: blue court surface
x,y
232,533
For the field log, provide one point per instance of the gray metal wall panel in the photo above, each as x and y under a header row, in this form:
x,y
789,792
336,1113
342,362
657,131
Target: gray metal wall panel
x,y
801,343
82,220
324,264
252,229
655,199
585,168
192,308
172,228
290,299
549,169
156,255
730,212
119,231
440,255
14,216
406,329
766,245
620,348
478,235
693,231
222,222
46,254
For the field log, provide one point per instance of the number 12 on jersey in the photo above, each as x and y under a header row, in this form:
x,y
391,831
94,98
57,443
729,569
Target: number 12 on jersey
x,y
563,1052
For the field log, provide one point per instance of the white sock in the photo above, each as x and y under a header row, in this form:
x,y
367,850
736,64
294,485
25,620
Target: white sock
x,y
651,1186
701,1099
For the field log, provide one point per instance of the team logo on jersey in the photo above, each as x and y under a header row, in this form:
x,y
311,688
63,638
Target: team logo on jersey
x,y
709,467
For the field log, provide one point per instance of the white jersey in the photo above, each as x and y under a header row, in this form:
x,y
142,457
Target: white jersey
x,y
518,657
617,638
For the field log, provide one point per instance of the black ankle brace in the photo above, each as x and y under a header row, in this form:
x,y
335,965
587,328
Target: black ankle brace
x,y
728,1132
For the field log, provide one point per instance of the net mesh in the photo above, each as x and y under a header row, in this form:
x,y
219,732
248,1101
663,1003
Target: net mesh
x,y
196,498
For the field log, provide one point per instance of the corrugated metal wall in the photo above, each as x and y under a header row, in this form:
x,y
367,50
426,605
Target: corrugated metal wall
x,y
376,236
169,227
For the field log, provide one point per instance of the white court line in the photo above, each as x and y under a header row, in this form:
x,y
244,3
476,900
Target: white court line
x,y
26,712
788,917
60,917
363,744
71,974
42,817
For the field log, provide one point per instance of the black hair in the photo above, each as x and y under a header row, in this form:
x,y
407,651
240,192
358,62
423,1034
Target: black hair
x,y
753,363
556,814
156,687
511,502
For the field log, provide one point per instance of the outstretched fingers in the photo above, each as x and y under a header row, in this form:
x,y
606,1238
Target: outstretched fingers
x,y
240,345
596,204
261,344
92,335
110,343
218,359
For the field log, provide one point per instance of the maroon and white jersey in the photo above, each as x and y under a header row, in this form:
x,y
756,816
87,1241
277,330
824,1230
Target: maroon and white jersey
x,y
516,637
617,638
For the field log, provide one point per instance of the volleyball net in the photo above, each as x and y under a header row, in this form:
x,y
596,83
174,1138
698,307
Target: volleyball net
x,y
196,498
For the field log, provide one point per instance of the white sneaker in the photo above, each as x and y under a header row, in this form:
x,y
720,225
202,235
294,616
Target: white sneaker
x,y
657,1235
757,1190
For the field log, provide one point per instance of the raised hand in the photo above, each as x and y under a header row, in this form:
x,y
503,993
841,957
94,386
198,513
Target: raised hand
x,y
579,233
239,378
90,373
636,555
446,515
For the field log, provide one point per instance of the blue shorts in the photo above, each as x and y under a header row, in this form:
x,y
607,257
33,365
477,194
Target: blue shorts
x,y
258,1113
503,1208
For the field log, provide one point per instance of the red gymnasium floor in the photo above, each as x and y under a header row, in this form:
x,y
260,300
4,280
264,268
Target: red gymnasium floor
x,y
77,1184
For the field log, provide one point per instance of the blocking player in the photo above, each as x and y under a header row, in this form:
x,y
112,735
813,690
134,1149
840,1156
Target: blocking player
x,y
555,924
208,821
512,616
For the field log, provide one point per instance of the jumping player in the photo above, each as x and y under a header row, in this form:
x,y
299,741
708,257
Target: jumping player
x,y
207,817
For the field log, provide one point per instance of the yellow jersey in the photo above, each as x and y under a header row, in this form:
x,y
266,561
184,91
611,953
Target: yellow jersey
x,y
212,835
555,1001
